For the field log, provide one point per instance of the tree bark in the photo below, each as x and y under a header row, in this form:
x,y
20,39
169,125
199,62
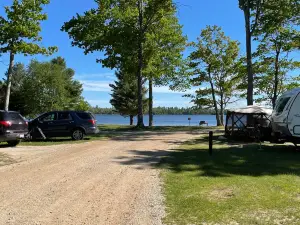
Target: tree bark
x,y
140,122
214,97
150,102
222,110
276,79
249,53
131,120
8,81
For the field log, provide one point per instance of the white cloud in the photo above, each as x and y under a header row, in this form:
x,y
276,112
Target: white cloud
x,y
166,90
172,103
100,103
92,85
103,86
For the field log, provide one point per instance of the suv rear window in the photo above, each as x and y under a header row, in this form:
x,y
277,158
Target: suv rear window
x,y
85,116
11,116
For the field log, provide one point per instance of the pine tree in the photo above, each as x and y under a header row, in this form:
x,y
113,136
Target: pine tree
x,y
124,96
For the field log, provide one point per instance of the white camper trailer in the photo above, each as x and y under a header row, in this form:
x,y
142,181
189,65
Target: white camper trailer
x,y
285,118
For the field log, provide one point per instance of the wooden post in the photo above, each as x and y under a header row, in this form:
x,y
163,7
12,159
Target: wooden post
x,y
210,142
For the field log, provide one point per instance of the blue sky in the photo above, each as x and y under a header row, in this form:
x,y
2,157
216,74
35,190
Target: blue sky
x,y
194,15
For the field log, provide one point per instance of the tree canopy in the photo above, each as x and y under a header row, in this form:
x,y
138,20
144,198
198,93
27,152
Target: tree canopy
x,y
19,33
121,29
45,86
215,60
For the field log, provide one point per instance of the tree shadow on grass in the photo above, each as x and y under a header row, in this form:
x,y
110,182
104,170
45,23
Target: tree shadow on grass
x,y
227,159
248,160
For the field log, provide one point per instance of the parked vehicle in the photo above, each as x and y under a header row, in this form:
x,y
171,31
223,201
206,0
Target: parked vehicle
x,y
285,120
13,127
74,124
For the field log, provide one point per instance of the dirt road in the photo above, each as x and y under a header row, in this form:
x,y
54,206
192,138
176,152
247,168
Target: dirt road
x,y
101,182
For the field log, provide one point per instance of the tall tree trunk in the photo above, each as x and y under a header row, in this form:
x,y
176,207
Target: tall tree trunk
x,y
249,53
276,79
150,102
214,97
222,110
140,122
8,81
131,120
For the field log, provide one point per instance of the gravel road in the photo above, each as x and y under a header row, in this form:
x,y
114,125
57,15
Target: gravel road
x,y
101,182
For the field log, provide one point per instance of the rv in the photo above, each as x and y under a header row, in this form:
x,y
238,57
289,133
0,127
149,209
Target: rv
x,y
285,119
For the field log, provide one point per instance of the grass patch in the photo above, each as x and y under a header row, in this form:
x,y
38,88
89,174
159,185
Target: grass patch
x,y
66,140
5,159
239,184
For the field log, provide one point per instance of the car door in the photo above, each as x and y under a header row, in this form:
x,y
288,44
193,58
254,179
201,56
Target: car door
x,y
48,125
64,123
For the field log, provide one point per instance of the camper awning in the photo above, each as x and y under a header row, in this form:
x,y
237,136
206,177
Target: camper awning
x,y
252,109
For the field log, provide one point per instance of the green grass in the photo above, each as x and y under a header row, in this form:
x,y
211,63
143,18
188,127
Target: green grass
x,y
238,184
59,141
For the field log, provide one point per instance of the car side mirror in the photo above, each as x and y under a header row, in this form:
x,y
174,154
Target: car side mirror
x,y
40,121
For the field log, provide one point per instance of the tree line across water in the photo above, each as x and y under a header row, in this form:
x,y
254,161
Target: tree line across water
x,y
143,41
160,111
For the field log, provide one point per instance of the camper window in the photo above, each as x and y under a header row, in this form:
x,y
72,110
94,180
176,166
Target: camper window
x,y
281,105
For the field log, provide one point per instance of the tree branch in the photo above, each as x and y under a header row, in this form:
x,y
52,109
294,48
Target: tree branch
x,y
257,16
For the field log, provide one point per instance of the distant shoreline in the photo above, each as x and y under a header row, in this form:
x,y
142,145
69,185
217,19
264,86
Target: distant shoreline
x,y
206,114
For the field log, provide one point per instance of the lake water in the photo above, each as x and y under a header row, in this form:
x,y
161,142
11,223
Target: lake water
x,y
160,120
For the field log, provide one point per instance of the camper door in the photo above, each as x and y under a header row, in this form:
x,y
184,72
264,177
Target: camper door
x,y
294,117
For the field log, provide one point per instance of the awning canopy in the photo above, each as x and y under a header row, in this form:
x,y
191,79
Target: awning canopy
x,y
252,109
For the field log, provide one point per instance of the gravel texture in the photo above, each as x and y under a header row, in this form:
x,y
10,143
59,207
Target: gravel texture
x,y
101,182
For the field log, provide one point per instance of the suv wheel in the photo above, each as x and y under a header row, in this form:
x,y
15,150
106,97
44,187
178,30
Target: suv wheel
x,y
13,143
77,134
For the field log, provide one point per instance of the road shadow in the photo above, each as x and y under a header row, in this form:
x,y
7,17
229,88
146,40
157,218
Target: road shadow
x,y
152,135
142,159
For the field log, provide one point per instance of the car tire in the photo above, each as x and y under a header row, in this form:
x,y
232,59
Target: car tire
x,y
77,134
13,143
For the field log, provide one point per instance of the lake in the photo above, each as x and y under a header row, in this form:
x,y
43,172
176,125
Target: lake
x,y
159,120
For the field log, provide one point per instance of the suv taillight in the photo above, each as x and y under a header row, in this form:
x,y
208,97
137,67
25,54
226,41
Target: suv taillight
x,y
5,123
92,122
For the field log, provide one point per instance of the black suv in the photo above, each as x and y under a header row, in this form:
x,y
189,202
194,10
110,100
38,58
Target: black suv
x,y
13,127
63,124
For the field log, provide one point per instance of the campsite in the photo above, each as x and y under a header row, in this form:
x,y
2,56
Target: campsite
x,y
149,112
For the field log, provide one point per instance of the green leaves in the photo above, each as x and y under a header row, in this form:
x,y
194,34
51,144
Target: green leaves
x,y
45,86
19,31
215,68
278,36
